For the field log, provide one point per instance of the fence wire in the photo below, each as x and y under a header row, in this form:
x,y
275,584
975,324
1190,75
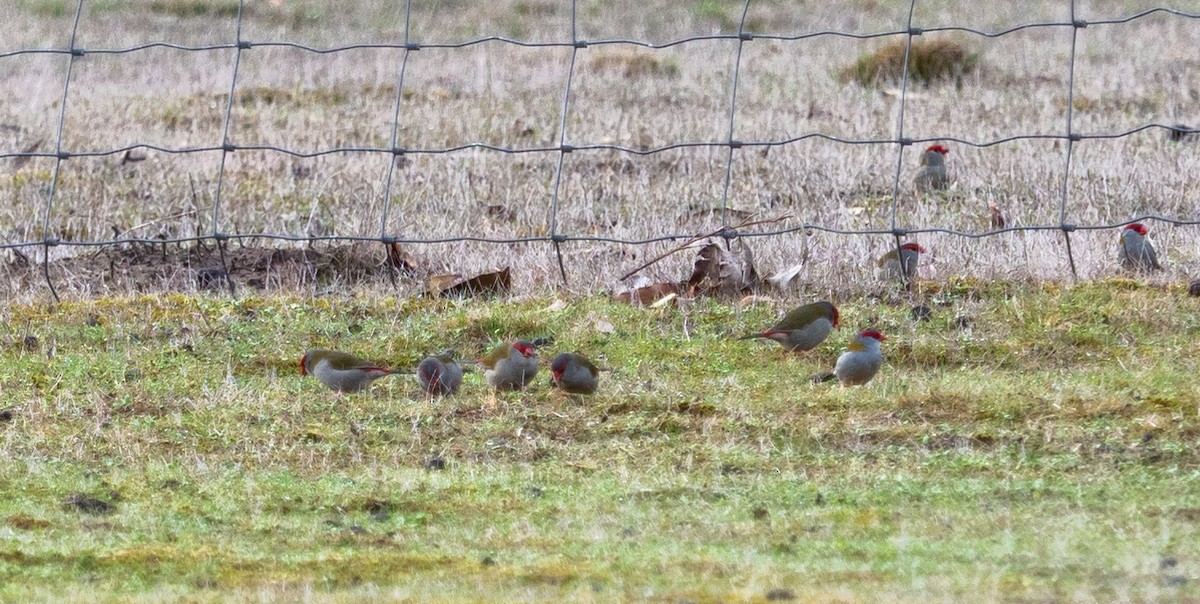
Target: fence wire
x,y
554,237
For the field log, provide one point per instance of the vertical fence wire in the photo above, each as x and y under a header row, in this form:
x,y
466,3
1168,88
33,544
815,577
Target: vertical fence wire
x,y
556,239
742,37
1071,138
59,155
901,141
228,147
397,151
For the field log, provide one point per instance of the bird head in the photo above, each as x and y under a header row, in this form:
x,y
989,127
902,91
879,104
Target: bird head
x,y
559,365
913,247
836,317
525,347
1138,228
874,334
304,364
939,149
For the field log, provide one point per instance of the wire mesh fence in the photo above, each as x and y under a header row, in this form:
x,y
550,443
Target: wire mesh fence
x,y
514,159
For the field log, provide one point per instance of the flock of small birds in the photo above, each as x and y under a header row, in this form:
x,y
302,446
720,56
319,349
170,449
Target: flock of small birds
x,y
513,365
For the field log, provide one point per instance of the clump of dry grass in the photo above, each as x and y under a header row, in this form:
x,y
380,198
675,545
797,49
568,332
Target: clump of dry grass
x,y
929,61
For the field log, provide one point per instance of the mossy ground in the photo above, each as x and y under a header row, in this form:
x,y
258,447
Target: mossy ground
x,y
1027,443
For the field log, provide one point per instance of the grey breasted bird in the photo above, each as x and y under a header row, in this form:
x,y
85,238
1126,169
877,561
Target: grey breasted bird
x,y
903,266
932,174
340,371
860,362
1136,252
802,329
572,372
440,374
510,366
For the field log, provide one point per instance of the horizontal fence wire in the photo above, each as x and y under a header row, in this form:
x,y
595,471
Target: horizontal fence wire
x,y
554,237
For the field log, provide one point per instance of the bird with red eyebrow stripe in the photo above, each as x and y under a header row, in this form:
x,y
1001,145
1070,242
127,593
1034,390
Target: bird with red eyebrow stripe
x,y
1136,252
440,374
510,366
860,362
900,264
341,372
802,329
573,373
932,175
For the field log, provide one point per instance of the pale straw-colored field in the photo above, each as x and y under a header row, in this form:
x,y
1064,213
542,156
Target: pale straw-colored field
x,y
496,93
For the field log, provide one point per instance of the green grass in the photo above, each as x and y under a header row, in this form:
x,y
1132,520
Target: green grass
x,y
1047,452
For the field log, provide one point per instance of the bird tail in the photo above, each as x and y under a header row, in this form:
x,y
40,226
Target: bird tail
x,y
824,376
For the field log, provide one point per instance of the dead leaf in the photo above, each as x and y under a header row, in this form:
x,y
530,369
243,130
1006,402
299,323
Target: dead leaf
x,y
454,284
665,300
785,277
648,294
400,260
556,306
722,272
603,326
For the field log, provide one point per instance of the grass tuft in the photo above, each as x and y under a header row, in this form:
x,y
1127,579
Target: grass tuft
x,y
929,62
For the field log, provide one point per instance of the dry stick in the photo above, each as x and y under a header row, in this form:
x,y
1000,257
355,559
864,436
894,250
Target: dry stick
x,y
740,225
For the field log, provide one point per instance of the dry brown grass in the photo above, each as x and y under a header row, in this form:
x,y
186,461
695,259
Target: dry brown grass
x,y
495,93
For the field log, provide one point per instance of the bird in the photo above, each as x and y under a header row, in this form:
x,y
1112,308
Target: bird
x,y
802,329
1136,253
932,174
903,267
572,372
440,374
510,366
340,371
859,363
